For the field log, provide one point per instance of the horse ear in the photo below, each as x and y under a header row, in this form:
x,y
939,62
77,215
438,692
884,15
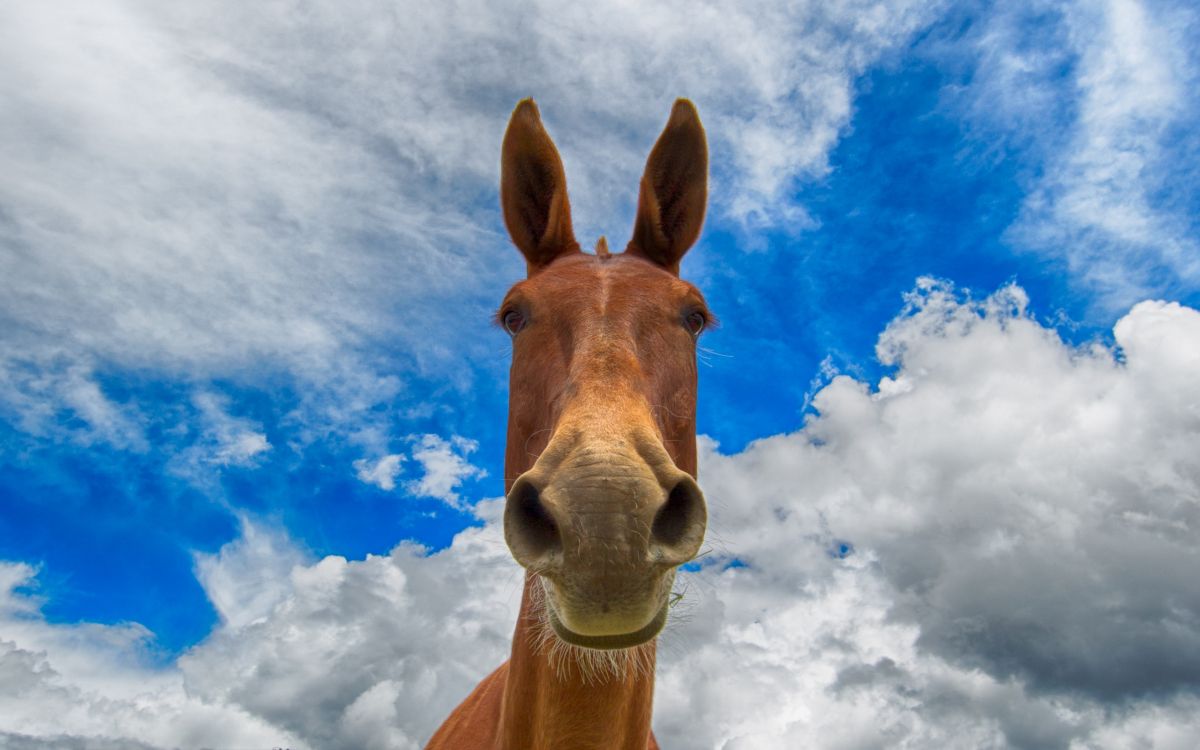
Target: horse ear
x,y
674,191
533,190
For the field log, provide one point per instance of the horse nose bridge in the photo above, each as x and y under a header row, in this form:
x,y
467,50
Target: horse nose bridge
x,y
613,424
607,395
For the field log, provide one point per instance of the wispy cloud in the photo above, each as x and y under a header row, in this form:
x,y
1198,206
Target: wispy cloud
x,y
1110,108
212,193
223,441
219,192
62,401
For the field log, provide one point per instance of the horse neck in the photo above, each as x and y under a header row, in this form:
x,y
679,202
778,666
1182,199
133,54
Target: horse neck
x,y
553,701
548,700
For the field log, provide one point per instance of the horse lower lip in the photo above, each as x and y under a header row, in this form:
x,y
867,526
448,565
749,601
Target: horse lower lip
x,y
609,642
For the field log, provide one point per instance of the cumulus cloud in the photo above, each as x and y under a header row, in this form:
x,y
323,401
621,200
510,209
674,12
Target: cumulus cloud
x,y
992,547
248,577
370,647
445,465
87,685
381,472
1018,516
322,654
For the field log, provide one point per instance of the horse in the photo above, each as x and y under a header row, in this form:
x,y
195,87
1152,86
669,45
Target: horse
x,y
602,504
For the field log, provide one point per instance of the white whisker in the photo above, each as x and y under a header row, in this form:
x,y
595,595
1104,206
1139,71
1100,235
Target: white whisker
x,y
714,352
594,666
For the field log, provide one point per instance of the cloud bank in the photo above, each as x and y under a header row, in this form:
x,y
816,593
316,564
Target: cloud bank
x,y
993,547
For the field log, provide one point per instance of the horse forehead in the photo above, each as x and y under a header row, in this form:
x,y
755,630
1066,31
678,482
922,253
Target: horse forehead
x,y
614,286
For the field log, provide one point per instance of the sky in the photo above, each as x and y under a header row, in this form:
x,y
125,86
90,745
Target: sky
x,y
252,403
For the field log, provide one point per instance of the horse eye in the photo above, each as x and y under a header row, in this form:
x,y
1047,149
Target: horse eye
x,y
514,321
695,321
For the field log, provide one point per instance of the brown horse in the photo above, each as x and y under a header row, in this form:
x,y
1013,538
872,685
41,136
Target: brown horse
x,y
601,458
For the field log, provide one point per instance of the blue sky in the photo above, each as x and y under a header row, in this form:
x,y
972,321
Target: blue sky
x,y
250,263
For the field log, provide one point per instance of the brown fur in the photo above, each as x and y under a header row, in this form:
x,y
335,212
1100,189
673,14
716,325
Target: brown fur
x,y
602,428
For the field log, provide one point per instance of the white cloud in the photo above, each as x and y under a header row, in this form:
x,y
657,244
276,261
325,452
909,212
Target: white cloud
x,y
50,400
1021,515
446,467
324,654
210,189
248,577
94,686
1104,201
994,548
371,649
443,463
224,441
382,472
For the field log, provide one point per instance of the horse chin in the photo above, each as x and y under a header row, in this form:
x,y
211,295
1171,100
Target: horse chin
x,y
609,642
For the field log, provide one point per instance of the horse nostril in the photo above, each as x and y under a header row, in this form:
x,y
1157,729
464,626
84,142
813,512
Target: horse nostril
x,y
678,527
529,528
